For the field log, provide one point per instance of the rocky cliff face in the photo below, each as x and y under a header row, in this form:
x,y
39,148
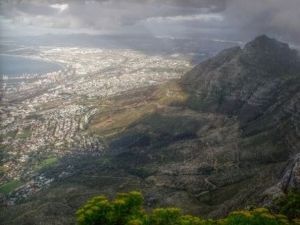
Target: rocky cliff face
x,y
249,77
259,84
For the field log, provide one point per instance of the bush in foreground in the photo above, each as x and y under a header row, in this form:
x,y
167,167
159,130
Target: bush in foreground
x,y
289,205
127,209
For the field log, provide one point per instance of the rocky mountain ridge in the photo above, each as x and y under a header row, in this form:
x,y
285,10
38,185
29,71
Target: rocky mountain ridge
x,y
260,86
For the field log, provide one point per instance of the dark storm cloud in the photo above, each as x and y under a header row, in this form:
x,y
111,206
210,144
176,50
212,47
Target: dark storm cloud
x,y
276,17
238,18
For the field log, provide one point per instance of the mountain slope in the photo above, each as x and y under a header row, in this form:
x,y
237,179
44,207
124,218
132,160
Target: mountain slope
x,y
234,136
230,141
258,84
229,138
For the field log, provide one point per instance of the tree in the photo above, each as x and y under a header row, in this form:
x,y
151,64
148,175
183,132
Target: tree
x,y
100,211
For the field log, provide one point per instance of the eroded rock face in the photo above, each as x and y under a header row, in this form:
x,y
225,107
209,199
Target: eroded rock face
x,y
291,178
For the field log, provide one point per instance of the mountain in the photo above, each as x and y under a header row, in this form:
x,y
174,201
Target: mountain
x,y
234,137
225,136
245,82
258,85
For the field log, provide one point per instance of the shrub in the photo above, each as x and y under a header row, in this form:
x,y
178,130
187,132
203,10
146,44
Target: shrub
x,y
127,209
96,211
168,216
290,205
100,211
260,216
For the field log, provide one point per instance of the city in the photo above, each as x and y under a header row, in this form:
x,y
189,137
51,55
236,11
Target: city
x,y
45,116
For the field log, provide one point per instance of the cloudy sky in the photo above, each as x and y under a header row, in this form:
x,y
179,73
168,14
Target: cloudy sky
x,y
231,19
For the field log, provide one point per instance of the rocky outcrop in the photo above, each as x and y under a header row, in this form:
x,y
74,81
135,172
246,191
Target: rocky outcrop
x,y
290,181
291,178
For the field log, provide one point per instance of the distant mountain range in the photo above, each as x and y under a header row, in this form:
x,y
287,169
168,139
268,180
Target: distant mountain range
x,y
225,136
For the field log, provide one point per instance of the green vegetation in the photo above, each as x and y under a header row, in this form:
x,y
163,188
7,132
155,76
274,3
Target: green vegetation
x,y
26,133
10,186
119,113
127,209
290,205
47,163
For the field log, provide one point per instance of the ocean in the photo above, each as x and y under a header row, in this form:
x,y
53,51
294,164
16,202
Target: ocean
x,y
13,66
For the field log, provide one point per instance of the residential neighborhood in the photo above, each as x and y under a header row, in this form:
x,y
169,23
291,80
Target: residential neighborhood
x,y
45,115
